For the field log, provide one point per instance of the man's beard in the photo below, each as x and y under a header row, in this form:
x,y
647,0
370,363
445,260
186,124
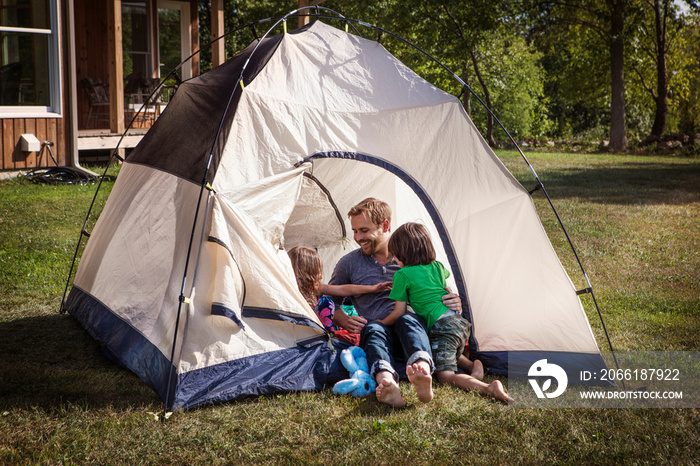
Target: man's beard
x,y
372,245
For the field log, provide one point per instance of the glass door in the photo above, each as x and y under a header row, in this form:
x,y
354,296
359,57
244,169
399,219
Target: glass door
x,y
135,43
174,43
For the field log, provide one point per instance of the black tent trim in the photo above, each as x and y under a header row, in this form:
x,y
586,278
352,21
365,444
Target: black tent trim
x,y
310,365
219,309
278,314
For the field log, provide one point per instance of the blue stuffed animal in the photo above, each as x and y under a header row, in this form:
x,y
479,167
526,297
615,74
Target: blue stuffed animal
x,y
360,383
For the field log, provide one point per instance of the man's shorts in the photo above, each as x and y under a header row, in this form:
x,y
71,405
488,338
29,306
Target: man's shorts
x,y
447,339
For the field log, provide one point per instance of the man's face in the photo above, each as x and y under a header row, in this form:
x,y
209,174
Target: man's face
x,y
368,235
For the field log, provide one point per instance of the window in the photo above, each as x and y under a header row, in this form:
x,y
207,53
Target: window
x,y
30,78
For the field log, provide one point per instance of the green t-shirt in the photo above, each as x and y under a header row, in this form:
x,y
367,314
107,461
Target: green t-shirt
x,y
423,286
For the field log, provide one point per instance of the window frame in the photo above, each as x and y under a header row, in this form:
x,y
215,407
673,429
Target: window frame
x,y
55,109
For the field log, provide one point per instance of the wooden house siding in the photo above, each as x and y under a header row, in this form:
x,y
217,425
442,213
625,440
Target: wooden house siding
x,y
45,129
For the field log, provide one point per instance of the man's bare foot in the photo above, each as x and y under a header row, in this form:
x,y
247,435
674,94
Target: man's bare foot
x,y
419,375
496,390
477,370
388,393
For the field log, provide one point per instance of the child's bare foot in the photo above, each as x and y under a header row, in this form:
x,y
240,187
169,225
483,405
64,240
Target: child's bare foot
x,y
496,390
478,370
388,393
419,375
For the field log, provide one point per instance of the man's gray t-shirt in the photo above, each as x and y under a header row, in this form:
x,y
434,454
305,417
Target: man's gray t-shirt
x,y
356,268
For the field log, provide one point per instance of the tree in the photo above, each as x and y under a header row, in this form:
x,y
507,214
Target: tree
x,y
552,21
463,27
237,15
685,87
658,27
510,70
618,123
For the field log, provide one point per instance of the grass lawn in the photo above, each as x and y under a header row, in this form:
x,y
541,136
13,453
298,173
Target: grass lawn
x,y
635,222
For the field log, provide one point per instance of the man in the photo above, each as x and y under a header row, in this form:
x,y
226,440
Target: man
x,y
369,265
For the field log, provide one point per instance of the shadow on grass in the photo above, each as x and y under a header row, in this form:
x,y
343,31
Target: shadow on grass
x,y
50,361
627,183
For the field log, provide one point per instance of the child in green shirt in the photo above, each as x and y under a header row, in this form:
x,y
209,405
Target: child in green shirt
x,y
421,281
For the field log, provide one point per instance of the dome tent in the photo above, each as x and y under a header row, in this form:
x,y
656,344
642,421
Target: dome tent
x,y
269,151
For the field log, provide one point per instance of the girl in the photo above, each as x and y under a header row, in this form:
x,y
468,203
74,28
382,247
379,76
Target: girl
x,y
421,280
308,270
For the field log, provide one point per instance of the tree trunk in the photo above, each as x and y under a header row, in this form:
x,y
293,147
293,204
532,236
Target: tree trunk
x,y
467,96
618,124
659,127
487,99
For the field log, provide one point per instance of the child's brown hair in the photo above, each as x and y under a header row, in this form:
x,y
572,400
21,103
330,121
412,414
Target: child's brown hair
x,y
411,244
308,269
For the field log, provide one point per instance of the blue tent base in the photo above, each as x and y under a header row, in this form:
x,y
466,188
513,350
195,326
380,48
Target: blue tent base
x,y
119,341
311,365
516,364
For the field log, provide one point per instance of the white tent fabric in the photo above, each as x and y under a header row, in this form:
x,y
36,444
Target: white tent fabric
x,y
249,223
137,251
365,125
242,263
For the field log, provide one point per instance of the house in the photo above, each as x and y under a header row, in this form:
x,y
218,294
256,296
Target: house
x,y
56,52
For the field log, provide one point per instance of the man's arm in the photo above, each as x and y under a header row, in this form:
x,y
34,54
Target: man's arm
x,y
352,324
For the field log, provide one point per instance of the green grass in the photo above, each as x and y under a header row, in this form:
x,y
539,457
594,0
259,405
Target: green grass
x,y
635,223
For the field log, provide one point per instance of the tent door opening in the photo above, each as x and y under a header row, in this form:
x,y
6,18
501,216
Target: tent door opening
x,y
350,177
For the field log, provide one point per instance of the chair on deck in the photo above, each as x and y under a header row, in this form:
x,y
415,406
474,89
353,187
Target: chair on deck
x,y
99,101
137,94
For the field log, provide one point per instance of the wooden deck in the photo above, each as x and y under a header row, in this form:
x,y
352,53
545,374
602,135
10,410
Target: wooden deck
x,y
102,139
95,146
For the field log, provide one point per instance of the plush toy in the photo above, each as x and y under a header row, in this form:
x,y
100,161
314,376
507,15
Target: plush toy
x,y
360,383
